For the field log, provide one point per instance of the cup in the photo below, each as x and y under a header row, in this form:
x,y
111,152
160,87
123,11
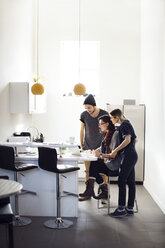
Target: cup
x,y
71,140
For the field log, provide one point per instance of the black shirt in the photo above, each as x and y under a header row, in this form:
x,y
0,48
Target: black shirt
x,y
126,129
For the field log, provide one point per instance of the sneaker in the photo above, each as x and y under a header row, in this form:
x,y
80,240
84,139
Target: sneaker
x,y
118,213
129,211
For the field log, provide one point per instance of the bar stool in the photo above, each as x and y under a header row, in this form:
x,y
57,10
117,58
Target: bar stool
x,y
7,162
113,174
6,216
48,161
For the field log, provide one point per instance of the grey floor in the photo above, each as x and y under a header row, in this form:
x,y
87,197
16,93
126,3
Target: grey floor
x,y
94,228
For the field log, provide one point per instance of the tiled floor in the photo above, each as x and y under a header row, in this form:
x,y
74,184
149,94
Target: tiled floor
x,y
145,229
94,229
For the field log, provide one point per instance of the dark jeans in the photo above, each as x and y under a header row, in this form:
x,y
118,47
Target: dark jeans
x,y
98,167
127,176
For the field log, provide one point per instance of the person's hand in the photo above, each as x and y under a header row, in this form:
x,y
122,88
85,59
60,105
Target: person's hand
x,y
96,153
113,154
81,148
93,152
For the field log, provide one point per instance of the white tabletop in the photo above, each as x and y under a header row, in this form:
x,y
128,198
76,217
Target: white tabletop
x,y
65,157
9,187
38,144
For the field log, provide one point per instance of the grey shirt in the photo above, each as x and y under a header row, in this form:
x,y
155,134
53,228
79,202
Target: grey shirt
x,y
93,137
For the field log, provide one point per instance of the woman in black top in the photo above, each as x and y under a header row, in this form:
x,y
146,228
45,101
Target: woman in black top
x,y
127,173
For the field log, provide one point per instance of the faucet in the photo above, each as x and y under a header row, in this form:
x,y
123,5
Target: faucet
x,y
36,130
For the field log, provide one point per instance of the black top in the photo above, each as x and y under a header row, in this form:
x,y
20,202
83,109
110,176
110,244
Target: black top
x,y
126,129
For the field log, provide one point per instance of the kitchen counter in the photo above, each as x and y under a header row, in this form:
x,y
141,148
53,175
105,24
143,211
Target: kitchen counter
x,y
44,184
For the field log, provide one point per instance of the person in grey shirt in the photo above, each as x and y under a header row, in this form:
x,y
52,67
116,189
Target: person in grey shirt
x,y
90,136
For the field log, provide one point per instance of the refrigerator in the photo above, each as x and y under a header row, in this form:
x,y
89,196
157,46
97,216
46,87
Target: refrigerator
x,y
136,115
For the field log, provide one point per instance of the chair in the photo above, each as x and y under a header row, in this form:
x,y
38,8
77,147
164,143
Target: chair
x,y
111,174
114,174
6,216
7,162
48,161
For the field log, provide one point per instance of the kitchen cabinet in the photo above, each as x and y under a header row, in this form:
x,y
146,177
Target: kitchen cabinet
x,y
22,101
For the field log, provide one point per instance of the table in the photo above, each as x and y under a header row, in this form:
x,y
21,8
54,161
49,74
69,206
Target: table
x,y
59,145
9,187
44,184
67,158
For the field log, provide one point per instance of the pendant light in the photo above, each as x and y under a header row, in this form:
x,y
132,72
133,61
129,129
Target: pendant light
x,y
37,88
79,89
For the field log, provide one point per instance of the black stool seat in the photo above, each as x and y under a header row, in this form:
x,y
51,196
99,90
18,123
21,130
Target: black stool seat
x,y
67,168
48,161
7,162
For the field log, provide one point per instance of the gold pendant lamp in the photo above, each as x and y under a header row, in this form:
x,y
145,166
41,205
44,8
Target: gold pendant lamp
x,y
37,88
79,89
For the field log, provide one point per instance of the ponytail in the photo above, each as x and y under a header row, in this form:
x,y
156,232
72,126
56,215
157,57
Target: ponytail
x,y
118,113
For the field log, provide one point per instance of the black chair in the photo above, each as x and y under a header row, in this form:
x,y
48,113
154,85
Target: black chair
x,y
114,174
6,216
7,162
48,161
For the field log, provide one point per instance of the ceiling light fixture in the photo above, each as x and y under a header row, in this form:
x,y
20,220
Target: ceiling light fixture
x,y
37,88
79,89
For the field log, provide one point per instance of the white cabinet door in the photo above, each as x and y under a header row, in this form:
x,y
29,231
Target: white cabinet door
x,y
22,101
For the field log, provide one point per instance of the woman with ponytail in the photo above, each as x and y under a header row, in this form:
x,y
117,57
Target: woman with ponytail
x,y
127,139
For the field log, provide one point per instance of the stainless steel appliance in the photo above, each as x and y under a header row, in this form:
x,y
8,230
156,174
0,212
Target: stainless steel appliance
x,y
136,115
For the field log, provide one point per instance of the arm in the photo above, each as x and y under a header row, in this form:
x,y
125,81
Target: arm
x,y
82,129
97,153
125,142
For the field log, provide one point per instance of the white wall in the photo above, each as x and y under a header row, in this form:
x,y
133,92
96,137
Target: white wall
x,y
152,93
116,24
16,58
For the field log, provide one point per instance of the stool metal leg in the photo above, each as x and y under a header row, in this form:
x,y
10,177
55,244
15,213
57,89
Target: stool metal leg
x,y
58,223
108,199
137,209
10,233
108,195
19,220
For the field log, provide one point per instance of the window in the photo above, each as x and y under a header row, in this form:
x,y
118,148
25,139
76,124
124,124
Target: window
x,y
79,65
